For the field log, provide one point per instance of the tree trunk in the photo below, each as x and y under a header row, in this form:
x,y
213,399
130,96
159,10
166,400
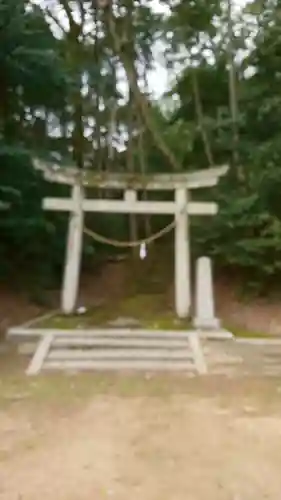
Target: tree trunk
x,y
140,99
133,225
232,82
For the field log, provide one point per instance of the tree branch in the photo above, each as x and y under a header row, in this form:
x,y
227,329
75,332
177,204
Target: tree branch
x,y
82,15
65,5
55,20
139,97
200,118
232,86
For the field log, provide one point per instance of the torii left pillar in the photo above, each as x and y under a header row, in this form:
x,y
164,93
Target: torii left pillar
x,y
73,251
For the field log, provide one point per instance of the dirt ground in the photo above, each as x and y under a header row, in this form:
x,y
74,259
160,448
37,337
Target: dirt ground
x,y
261,315
143,438
128,437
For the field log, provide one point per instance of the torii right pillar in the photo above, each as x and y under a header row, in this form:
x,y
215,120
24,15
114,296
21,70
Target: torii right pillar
x,y
201,179
182,256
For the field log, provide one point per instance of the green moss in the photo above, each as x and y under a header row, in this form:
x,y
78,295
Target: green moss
x,y
167,321
151,311
244,333
131,180
93,317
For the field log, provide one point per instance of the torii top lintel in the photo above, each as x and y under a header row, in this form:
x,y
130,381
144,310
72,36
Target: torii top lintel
x,y
193,180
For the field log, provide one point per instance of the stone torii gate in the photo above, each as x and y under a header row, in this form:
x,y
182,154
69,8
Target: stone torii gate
x,y
182,208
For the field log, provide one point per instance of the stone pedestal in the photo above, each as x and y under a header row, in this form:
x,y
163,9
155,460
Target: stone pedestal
x,y
204,296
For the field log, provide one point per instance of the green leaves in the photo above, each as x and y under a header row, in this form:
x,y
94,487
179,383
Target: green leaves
x,y
66,94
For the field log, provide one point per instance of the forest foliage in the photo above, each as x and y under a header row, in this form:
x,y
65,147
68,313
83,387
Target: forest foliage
x,y
74,84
